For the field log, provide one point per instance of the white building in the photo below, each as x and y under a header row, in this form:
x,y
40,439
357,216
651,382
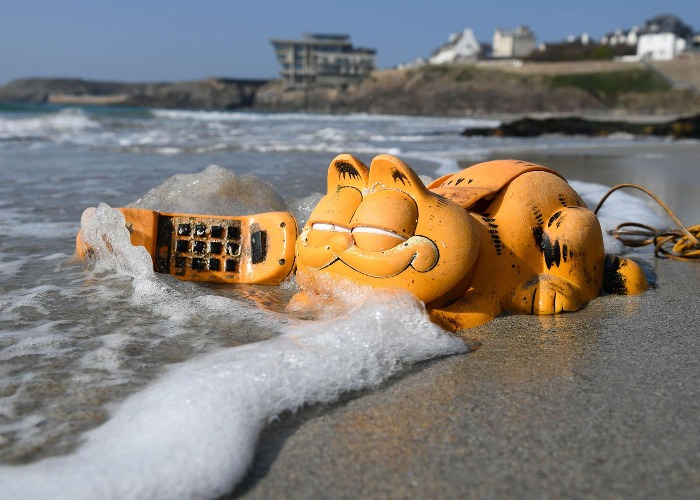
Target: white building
x,y
516,43
584,39
460,48
621,37
663,38
418,62
660,46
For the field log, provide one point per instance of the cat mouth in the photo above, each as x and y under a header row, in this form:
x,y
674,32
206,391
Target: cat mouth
x,y
417,252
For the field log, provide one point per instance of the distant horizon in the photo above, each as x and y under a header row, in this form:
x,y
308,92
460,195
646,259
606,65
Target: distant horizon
x,y
161,42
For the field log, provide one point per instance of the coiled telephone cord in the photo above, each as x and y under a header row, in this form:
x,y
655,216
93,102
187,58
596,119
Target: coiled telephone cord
x,y
684,240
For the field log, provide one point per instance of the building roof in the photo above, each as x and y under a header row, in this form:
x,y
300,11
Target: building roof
x,y
667,23
326,36
324,40
454,39
519,32
311,41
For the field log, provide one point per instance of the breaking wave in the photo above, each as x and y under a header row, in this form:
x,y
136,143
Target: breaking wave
x,y
46,126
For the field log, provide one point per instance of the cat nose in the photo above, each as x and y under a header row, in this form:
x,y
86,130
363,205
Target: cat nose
x,y
341,242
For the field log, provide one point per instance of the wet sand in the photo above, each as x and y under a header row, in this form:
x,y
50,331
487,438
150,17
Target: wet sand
x,y
601,403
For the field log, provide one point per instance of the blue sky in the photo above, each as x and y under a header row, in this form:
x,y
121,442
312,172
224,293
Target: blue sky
x,y
159,40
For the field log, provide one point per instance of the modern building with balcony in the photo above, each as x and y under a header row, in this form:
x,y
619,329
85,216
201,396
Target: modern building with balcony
x,y
322,60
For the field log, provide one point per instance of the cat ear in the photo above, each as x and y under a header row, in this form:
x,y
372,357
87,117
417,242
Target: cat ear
x,y
392,173
346,170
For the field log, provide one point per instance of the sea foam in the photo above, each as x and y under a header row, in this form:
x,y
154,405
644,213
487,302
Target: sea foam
x,y
192,433
216,191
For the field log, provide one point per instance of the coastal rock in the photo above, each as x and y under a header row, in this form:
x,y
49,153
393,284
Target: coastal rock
x,y
47,90
212,93
681,128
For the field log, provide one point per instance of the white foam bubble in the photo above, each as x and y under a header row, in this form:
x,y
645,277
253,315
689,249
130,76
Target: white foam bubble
x,y
103,229
215,191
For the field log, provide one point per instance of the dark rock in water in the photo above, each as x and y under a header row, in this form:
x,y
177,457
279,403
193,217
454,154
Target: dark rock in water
x,y
682,128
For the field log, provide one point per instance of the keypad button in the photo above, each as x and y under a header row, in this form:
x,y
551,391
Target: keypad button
x,y
214,264
199,247
200,230
182,246
215,247
198,264
233,233
231,265
184,229
233,248
216,231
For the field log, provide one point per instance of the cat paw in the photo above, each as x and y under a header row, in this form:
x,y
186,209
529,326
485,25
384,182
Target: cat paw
x,y
546,294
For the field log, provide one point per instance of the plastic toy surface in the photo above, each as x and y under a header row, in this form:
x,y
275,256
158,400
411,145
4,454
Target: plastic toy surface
x,y
247,249
498,236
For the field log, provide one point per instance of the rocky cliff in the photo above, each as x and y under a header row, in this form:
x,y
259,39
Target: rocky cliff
x,y
475,91
469,90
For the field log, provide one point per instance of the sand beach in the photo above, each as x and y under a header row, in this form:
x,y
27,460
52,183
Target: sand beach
x,y
601,403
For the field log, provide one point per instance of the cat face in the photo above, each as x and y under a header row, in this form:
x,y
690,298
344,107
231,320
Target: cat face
x,y
381,227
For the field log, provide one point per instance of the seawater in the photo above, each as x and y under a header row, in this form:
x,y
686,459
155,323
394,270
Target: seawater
x,y
118,382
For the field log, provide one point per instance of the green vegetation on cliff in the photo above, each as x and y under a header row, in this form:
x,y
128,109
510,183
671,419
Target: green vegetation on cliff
x,y
602,88
608,85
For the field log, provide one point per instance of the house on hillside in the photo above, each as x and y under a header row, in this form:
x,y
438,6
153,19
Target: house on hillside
x,y
660,46
663,38
459,48
322,60
619,37
418,62
516,43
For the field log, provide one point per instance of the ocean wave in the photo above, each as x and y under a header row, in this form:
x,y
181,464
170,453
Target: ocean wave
x,y
202,115
321,147
436,121
47,126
